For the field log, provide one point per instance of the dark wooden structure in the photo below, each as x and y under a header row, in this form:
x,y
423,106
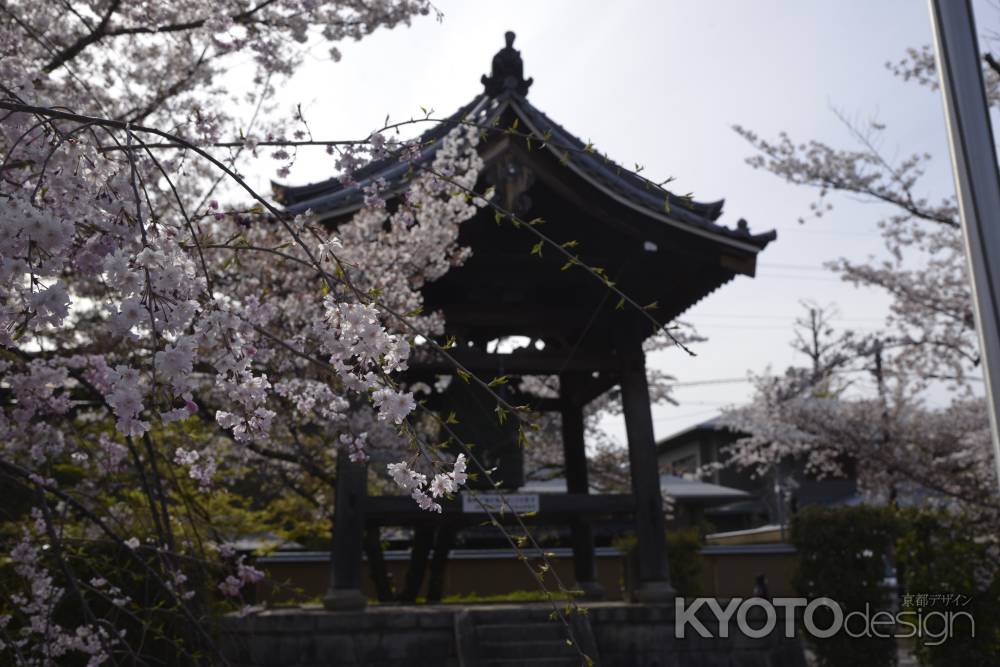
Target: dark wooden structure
x,y
655,246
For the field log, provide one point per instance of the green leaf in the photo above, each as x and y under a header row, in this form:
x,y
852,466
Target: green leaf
x,y
499,380
537,248
464,374
621,304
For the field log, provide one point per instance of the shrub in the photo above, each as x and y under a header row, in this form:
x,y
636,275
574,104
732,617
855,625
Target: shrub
x,y
940,554
683,560
843,555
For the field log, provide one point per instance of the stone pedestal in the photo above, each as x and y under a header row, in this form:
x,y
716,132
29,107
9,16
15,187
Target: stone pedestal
x,y
655,592
344,599
592,590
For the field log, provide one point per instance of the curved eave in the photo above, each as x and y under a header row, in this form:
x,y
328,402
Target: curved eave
x,y
331,199
596,173
655,196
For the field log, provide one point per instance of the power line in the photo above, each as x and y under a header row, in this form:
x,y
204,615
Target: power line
x,y
694,383
769,327
686,415
782,265
788,318
791,276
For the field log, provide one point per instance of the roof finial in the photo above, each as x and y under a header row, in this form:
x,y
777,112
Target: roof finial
x,y
508,71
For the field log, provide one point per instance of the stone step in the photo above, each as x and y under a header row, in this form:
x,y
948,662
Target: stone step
x,y
534,662
515,648
515,616
501,632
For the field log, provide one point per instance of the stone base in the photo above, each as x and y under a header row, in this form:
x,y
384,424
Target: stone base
x,y
622,635
655,592
344,599
592,590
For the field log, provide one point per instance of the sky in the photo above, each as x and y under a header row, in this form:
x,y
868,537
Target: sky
x,y
661,83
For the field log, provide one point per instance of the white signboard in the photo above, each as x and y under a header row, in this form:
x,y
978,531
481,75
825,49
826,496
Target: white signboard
x,y
516,502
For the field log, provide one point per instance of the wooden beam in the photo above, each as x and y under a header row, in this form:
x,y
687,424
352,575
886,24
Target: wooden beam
x,y
518,363
515,313
547,404
402,510
585,389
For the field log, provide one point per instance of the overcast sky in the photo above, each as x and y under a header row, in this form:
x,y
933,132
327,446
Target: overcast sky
x,y
660,83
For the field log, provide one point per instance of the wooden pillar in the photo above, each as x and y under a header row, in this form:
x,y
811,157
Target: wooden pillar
x,y
654,577
575,459
348,537
376,565
423,540
443,543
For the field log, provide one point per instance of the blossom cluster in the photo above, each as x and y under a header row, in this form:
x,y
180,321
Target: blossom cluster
x,y
41,639
161,328
442,484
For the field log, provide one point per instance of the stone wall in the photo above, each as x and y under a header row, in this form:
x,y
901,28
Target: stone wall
x,y
728,571
625,635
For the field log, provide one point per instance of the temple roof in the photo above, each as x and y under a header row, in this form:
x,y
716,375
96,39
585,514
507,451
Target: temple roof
x,y
659,248
505,95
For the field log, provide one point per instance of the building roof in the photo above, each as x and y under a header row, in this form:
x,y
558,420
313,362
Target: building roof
x,y
658,248
332,198
713,425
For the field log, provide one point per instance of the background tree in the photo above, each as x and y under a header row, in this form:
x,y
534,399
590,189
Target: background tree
x,y
929,347
158,345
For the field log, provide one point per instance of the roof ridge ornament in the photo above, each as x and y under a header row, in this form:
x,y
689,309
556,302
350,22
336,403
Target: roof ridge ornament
x,y
508,71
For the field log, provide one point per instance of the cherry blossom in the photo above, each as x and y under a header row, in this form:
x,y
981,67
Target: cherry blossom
x,y
904,445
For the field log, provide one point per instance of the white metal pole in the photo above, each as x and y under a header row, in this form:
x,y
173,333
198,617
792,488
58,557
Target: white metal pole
x,y
977,181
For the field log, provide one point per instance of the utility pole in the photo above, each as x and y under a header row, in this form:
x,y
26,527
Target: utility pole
x,y
977,181
878,371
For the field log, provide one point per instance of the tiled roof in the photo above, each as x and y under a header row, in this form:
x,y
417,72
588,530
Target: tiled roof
x,y
331,197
